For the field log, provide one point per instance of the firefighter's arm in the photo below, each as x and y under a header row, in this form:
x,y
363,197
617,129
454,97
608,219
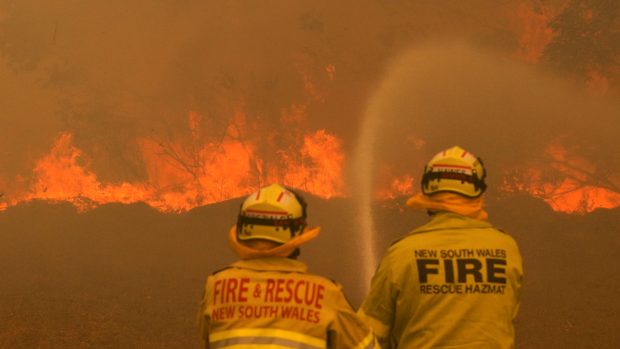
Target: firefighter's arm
x,y
347,330
378,308
203,318
517,265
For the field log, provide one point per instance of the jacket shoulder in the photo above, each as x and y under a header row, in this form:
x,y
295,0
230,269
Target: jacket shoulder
x,y
322,278
221,270
504,233
408,237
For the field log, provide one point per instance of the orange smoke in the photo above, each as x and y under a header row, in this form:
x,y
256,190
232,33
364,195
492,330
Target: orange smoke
x,y
3,204
535,33
597,82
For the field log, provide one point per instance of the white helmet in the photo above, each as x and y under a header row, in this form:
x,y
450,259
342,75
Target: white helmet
x,y
454,170
272,213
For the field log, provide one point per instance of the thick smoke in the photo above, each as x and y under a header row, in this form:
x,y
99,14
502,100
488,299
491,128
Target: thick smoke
x,y
112,72
439,95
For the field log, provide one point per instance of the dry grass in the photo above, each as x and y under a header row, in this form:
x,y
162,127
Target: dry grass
x,y
129,277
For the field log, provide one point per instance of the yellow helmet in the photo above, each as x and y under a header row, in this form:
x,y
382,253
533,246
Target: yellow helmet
x,y
272,213
454,170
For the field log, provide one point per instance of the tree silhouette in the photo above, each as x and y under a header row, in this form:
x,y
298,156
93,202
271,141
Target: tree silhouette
x,y
587,40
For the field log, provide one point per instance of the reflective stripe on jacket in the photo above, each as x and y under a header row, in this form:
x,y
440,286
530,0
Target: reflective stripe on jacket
x,y
264,336
274,303
452,283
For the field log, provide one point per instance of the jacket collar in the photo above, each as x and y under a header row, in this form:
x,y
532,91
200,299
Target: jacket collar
x,y
271,264
284,250
449,220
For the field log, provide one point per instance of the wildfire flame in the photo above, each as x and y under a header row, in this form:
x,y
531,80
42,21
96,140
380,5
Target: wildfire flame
x,y
398,187
59,176
184,173
320,170
568,184
178,180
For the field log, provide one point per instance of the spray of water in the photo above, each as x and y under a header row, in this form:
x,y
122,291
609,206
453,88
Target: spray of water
x,y
363,167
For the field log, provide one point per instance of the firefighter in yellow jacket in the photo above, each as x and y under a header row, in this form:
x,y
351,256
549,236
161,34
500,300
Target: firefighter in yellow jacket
x,y
454,282
268,299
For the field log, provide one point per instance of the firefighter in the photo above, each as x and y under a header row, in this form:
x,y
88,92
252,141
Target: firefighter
x,y
267,299
455,281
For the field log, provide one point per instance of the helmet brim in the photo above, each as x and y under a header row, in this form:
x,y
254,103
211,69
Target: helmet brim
x,y
283,250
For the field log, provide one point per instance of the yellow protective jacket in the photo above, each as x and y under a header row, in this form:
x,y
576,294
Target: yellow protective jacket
x,y
452,283
273,302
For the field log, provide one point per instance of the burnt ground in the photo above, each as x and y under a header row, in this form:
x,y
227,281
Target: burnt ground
x,y
127,276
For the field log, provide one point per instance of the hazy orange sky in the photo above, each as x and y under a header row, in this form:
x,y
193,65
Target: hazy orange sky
x,y
475,73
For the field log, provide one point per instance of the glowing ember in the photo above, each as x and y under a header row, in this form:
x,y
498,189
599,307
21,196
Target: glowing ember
x,y
398,187
331,71
597,82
